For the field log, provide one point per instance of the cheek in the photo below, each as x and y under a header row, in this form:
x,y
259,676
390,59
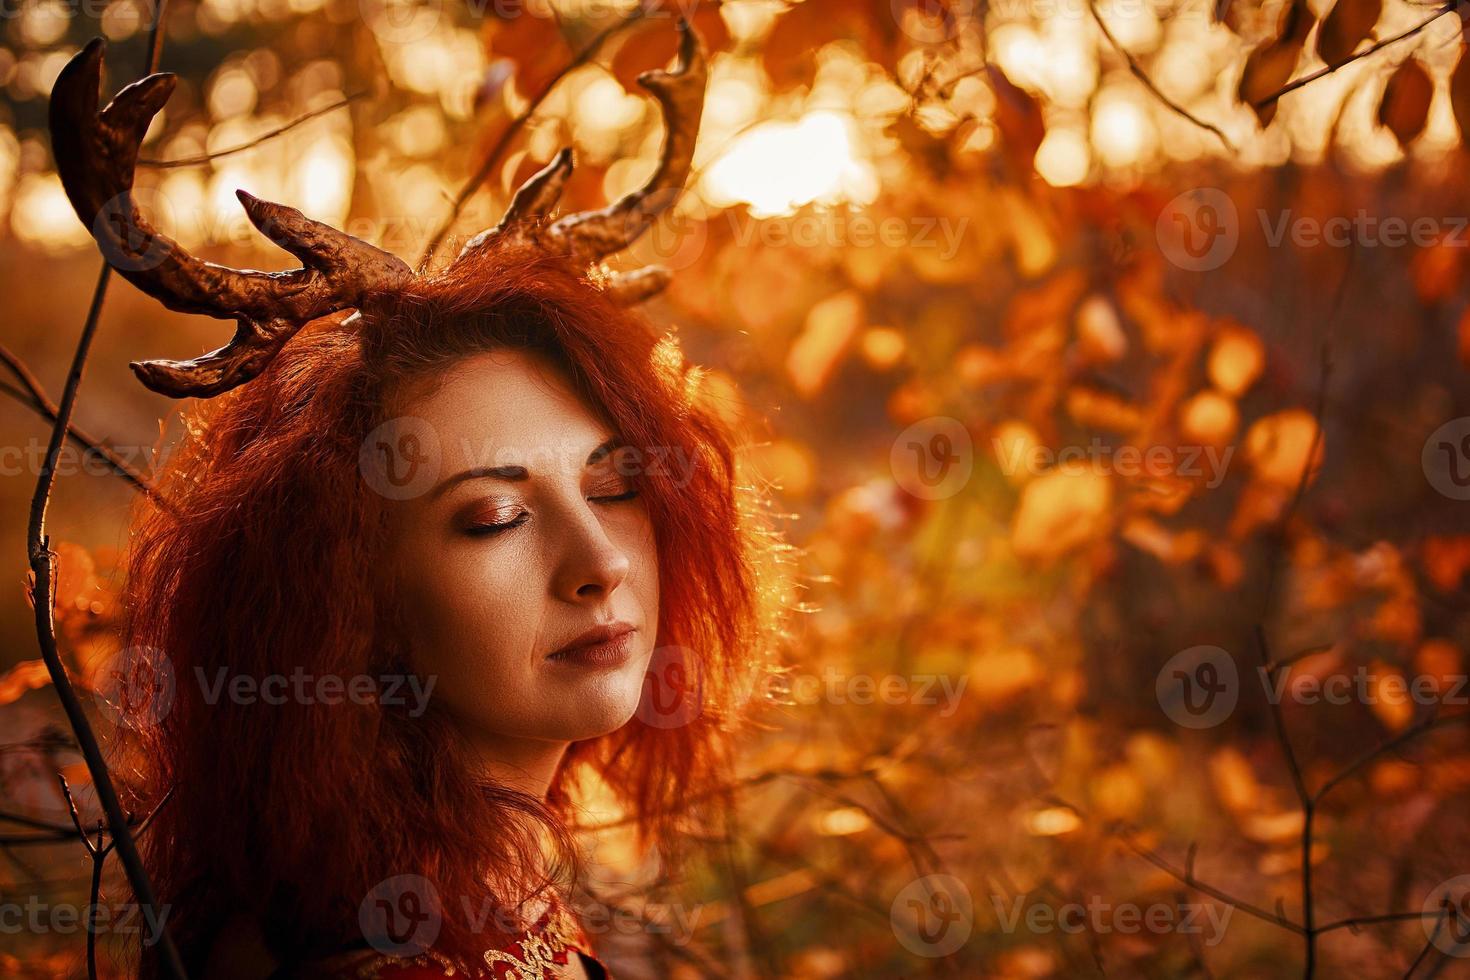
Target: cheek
x,y
472,620
643,570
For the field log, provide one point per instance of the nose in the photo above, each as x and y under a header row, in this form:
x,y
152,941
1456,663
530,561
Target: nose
x,y
592,565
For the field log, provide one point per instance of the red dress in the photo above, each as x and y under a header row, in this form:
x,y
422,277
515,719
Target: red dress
x,y
532,955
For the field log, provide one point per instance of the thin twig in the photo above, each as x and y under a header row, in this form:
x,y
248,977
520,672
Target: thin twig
x,y
204,158
43,569
76,818
1371,49
35,396
482,173
1148,83
1288,752
1413,731
1187,878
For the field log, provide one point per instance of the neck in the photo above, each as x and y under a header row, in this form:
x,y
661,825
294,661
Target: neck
x,y
527,765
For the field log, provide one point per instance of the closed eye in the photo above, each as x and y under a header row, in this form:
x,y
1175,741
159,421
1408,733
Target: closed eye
x,y
486,529
616,498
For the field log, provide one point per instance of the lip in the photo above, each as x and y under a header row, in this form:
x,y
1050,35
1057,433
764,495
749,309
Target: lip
x,y
603,647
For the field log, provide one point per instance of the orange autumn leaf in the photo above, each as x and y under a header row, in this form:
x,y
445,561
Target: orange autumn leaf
x,y
1270,66
1280,446
1100,334
829,329
1389,696
1061,510
1209,418
1405,106
532,40
1437,269
1236,359
1460,96
1464,337
28,675
1234,780
1018,117
650,45
78,591
1347,24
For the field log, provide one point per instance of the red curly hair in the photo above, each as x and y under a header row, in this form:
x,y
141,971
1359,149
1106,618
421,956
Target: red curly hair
x,y
264,562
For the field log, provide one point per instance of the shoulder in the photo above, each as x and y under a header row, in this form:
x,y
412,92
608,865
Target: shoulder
x,y
372,965
555,947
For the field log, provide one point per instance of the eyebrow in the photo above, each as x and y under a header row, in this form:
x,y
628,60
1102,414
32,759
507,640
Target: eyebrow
x,y
513,474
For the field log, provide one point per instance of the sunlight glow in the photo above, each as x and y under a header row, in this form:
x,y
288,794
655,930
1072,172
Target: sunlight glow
x,y
777,167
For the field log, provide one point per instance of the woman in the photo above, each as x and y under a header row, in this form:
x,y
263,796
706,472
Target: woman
x,y
423,569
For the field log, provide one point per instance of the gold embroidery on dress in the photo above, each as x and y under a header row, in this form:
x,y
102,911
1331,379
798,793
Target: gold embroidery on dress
x,y
538,951
369,968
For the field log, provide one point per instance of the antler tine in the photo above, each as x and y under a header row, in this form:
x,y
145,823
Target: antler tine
x,y
96,154
531,203
632,288
589,235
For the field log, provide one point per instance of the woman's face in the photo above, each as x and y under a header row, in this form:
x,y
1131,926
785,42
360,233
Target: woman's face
x,y
526,543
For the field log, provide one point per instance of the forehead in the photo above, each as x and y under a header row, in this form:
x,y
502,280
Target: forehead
x,y
508,407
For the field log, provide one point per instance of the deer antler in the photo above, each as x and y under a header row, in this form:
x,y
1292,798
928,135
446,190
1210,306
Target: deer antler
x,y
588,236
96,154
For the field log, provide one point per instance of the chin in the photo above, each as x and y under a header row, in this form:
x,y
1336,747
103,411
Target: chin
x,y
605,703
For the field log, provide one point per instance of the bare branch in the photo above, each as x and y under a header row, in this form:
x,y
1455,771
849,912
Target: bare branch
x,y
1148,83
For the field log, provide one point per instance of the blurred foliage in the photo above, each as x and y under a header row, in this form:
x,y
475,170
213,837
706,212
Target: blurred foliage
x,y
909,211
